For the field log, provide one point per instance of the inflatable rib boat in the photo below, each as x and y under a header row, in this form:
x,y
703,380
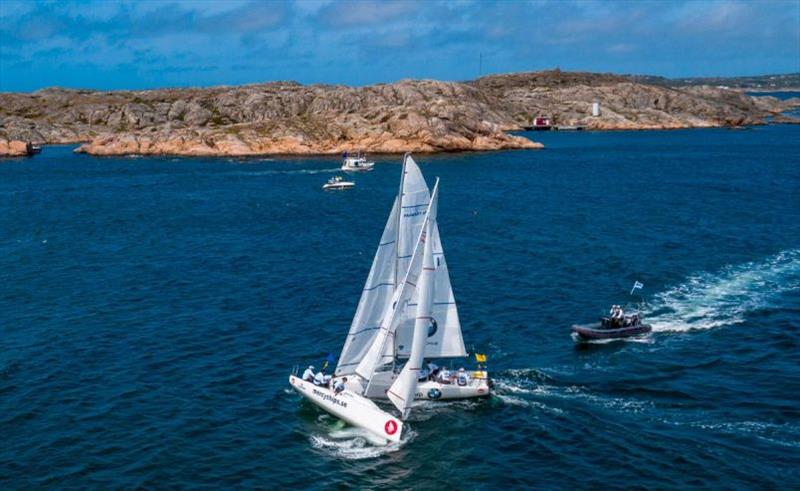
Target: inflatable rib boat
x,y
608,329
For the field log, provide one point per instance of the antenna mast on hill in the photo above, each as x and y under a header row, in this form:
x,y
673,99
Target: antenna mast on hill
x,y
480,65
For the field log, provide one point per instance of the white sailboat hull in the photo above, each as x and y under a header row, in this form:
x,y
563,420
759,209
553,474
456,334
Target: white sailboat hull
x,y
351,408
430,389
438,391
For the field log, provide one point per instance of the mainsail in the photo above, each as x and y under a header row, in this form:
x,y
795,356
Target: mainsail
x,y
375,299
414,200
382,350
401,393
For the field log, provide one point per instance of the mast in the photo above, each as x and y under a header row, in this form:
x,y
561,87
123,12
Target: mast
x,y
397,235
399,215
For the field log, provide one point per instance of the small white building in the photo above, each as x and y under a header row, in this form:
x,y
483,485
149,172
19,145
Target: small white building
x,y
595,109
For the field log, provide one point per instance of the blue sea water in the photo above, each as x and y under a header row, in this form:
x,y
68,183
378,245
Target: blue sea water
x,y
151,310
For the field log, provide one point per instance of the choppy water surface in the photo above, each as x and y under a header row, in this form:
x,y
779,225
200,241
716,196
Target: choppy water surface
x,y
152,308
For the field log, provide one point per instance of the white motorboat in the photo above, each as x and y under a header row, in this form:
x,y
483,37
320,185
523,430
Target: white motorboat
x,y
336,182
407,314
356,163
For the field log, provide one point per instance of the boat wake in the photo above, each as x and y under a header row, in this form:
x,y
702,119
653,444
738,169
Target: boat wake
x,y
288,172
784,434
352,443
427,409
515,388
707,300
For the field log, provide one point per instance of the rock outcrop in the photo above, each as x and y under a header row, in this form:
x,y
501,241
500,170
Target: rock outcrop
x,y
14,148
567,97
409,115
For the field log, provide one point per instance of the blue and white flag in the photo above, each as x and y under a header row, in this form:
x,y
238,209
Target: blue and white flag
x,y
636,286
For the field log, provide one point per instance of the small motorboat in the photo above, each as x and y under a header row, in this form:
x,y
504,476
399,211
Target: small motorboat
x,y
356,163
624,326
337,182
597,331
619,324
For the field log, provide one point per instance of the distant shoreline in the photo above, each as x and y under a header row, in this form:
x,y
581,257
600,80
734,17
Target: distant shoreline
x,y
421,116
763,90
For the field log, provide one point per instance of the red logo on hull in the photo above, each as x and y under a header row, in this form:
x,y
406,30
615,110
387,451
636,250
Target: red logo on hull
x,y
390,427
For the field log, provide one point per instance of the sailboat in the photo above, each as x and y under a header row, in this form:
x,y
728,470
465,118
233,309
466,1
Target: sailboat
x,y
407,314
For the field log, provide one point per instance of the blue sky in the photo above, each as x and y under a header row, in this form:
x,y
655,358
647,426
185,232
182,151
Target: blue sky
x,y
153,43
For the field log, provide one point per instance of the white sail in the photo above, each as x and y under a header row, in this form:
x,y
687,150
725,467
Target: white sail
x,y
445,339
444,336
389,267
381,352
375,298
414,200
401,393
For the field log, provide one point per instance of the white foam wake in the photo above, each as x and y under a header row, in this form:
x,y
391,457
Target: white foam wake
x,y
709,300
519,391
355,443
272,172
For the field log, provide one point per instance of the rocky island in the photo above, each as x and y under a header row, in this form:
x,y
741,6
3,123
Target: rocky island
x,y
409,115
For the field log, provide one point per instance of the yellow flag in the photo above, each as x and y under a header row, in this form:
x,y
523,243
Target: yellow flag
x,y
480,358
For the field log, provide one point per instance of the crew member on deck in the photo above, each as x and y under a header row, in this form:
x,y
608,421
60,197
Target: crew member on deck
x,y
308,375
338,386
444,376
616,319
433,370
321,379
463,378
